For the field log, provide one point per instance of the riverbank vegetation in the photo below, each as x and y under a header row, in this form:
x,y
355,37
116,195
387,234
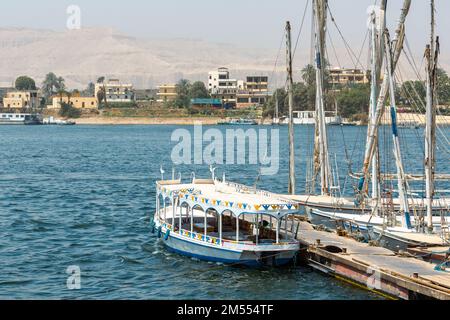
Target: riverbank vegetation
x,y
352,100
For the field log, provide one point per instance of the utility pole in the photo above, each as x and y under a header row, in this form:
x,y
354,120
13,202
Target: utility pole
x,y
290,85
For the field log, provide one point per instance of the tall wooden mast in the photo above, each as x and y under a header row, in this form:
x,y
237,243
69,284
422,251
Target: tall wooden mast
x,y
397,45
431,55
290,85
321,142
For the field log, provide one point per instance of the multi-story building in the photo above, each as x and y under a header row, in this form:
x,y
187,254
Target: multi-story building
x,y
21,99
167,93
254,93
340,76
75,101
221,86
116,91
238,93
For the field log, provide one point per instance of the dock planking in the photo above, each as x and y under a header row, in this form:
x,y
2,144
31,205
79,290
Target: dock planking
x,y
375,268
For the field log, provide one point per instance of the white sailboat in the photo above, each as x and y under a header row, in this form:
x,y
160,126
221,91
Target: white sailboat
x,y
399,232
329,198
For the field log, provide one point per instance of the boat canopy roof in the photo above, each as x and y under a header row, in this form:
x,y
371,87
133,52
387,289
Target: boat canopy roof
x,y
226,196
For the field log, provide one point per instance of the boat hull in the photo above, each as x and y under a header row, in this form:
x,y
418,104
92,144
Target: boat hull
x,y
245,258
202,251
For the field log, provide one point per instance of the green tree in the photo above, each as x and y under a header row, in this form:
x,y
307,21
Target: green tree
x,y
51,85
68,111
269,107
308,74
443,87
101,94
90,90
299,96
61,83
198,90
183,99
353,100
411,91
25,83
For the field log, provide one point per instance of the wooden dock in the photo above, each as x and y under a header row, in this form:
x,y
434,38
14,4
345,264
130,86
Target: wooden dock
x,y
374,268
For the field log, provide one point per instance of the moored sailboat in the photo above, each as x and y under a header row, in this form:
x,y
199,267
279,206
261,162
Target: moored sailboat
x,y
398,223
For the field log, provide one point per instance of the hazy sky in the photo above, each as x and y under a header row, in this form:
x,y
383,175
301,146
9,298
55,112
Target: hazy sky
x,y
248,23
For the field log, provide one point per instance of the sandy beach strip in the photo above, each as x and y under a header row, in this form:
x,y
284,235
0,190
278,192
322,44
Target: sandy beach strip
x,y
402,118
145,121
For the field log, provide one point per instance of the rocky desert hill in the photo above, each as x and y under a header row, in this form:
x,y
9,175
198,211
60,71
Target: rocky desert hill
x,y
83,55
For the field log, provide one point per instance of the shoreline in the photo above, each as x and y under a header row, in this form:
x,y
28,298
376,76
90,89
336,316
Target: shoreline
x,y
145,121
402,119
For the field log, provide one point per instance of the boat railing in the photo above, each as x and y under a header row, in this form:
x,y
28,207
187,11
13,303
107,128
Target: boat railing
x,y
241,187
220,242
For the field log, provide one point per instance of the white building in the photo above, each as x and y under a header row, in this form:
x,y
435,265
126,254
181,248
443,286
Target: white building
x,y
221,86
116,91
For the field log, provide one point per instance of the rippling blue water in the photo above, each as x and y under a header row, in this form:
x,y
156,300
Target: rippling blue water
x,y
82,196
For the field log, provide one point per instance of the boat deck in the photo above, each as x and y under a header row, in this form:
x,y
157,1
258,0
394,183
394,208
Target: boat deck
x,y
348,202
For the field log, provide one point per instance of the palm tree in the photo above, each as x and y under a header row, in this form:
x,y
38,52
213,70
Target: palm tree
x,y
61,84
309,75
101,95
50,84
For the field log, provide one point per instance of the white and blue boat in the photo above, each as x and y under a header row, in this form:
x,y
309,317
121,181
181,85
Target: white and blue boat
x,y
224,222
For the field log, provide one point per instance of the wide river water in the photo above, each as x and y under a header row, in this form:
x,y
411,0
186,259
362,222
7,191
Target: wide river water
x,y
82,196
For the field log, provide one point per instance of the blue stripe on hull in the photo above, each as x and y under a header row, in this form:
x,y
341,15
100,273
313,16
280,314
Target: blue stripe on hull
x,y
218,255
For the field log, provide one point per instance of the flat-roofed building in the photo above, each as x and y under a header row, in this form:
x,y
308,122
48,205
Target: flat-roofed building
x,y
221,86
21,99
340,76
116,91
167,93
75,101
255,92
